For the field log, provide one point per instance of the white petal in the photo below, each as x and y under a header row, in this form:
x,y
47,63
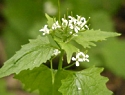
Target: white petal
x,y
70,26
43,33
87,60
76,30
64,22
73,59
77,63
69,16
83,19
87,56
55,25
86,26
80,54
80,59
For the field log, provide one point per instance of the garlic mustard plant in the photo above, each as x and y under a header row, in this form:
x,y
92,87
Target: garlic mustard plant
x,y
59,38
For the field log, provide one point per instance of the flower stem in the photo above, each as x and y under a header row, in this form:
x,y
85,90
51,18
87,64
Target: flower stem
x,y
61,60
69,66
51,66
59,11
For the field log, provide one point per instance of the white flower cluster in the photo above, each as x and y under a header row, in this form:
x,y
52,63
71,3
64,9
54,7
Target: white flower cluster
x,y
77,24
80,57
74,24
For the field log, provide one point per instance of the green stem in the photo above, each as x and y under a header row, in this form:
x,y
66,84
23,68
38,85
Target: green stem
x,y
51,66
59,11
69,66
61,60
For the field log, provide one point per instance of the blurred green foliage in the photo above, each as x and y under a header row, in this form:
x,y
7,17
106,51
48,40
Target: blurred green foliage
x,y
3,89
21,16
26,17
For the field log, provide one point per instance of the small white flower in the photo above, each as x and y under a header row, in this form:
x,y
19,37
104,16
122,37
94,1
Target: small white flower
x,y
75,24
74,27
72,20
56,52
80,57
86,58
74,59
56,25
81,21
64,22
45,30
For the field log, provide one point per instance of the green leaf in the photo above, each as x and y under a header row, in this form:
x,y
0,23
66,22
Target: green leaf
x,y
87,38
52,42
60,74
40,79
36,78
69,49
50,20
31,55
86,82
